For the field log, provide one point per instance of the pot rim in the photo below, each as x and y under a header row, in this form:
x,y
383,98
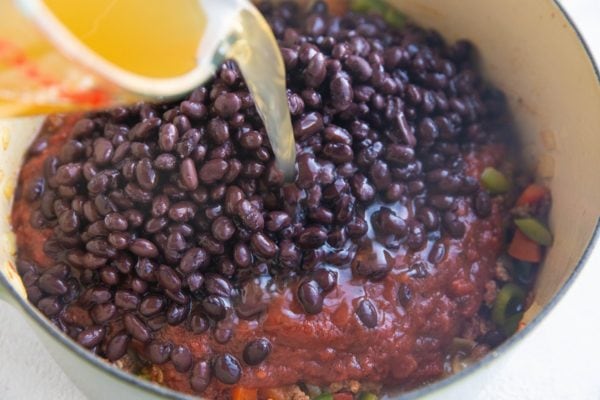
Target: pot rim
x,y
155,389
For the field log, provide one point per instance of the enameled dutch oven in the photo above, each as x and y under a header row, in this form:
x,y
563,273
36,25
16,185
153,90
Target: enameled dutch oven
x,y
530,50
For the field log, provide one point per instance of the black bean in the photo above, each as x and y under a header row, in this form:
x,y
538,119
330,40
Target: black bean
x,y
257,351
399,154
52,285
126,300
194,259
198,323
117,346
146,269
310,297
143,248
145,174
263,245
109,275
68,174
483,204
188,174
159,352
168,278
200,376
177,312
453,225
437,252
50,306
115,222
367,313
175,242
215,306
429,217
315,72
136,328
193,109
308,125
227,104
312,237
181,358
327,279
151,305
359,67
217,286
165,162
441,202
91,337
218,130
227,369
213,170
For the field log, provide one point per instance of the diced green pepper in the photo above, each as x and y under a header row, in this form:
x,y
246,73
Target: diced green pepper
x,y
390,14
324,396
367,396
534,230
509,308
494,181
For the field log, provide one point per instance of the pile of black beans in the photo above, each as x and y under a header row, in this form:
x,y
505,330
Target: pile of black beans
x,y
168,214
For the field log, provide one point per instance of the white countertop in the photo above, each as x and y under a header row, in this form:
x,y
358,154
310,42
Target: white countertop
x,y
562,352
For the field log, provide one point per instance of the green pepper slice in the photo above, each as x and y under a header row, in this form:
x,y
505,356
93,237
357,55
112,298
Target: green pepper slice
x,y
494,181
509,308
534,230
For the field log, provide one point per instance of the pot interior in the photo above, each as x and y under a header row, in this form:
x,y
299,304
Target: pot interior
x,y
528,50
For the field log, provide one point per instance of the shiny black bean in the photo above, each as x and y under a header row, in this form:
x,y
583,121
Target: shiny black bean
x,y
177,312
327,279
194,259
49,306
482,204
200,376
52,285
68,174
102,313
437,252
257,351
165,162
181,357
453,225
263,245
117,346
227,369
136,328
115,222
126,300
227,104
308,125
151,305
367,313
146,269
215,306
312,237
168,278
159,352
91,337
109,275
359,68
217,286
429,217
310,297
188,174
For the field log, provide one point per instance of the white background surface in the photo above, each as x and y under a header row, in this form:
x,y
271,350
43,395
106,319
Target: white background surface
x,y
561,361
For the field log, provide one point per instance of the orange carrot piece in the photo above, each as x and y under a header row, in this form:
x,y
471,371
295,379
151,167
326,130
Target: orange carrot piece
x,y
532,194
242,393
337,7
524,249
